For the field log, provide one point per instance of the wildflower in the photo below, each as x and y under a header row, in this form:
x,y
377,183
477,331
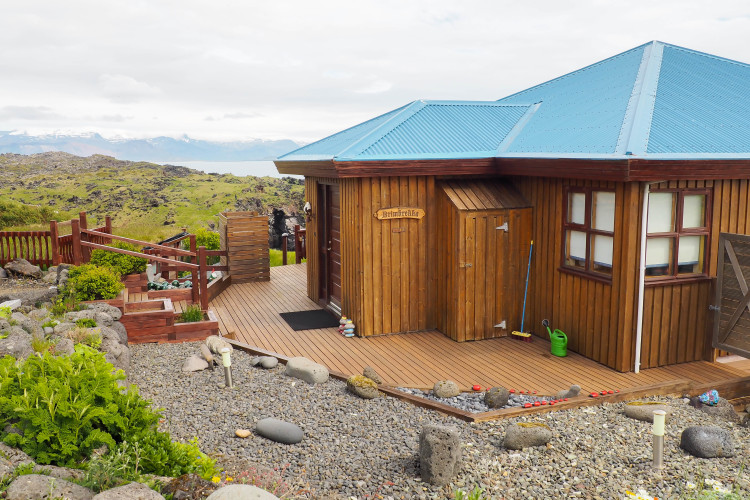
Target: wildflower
x,y
229,479
216,479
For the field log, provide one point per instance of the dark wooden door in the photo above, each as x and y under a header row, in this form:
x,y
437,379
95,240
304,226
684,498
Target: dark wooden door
x,y
330,247
732,319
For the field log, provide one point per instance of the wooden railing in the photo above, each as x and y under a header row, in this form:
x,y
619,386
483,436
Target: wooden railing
x,y
65,253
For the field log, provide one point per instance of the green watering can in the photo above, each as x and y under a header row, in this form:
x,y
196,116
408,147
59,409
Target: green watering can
x,y
558,341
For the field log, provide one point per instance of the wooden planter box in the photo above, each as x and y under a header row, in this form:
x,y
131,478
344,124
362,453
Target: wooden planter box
x,y
148,321
197,330
176,294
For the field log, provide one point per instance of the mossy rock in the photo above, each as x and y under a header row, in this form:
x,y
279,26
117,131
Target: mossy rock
x,y
644,410
362,386
527,435
529,425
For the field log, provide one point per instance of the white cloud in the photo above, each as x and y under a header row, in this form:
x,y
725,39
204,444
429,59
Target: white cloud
x,y
124,89
376,87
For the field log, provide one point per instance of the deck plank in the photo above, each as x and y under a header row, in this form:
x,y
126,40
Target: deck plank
x,y
418,359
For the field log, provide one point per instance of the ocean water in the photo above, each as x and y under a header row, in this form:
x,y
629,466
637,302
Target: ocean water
x,y
257,168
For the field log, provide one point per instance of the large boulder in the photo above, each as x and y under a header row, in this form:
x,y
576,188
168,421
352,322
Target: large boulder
x,y
722,409
11,304
17,457
30,296
497,397
116,353
707,442
39,487
279,431
445,389
362,386
121,331
16,344
526,435
132,491
644,410
64,347
23,268
307,370
241,492
111,311
439,454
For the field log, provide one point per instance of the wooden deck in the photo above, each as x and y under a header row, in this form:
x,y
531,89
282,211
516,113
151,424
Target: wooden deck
x,y
251,310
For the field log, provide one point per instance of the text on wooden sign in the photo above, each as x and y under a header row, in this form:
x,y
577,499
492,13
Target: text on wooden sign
x,y
399,213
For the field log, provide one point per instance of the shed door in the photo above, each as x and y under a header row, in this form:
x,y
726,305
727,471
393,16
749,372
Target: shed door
x,y
489,283
732,320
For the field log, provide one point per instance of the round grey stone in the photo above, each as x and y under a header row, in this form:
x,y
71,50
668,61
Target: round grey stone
x,y
132,491
38,487
644,411
279,431
439,454
526,435
370,373
707,442
307,370
445,389
362,386
268,362
194,363
497,397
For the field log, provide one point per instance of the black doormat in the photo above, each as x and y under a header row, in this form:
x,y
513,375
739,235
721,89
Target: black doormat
x,y
310,320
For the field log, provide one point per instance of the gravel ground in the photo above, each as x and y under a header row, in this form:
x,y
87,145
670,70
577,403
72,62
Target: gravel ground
x,y
368,448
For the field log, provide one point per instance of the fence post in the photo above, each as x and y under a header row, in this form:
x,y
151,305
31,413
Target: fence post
x,y
85,251
108,228
297,245
284,245
193,272
203,271
54,244
76,237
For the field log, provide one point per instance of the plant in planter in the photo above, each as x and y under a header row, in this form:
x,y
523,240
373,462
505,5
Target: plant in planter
x,y
191,314
90,282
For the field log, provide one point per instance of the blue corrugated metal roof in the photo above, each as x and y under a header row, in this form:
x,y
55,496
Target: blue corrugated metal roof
x,y
422,129
654,101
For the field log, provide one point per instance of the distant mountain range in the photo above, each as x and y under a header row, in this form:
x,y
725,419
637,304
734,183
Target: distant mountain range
x,y
158,149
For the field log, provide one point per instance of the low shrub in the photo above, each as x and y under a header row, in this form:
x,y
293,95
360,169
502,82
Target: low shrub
x,y
191,314
82,335
67,406
90,282
50,323
119,262
5,312
86,323
42,344
208,239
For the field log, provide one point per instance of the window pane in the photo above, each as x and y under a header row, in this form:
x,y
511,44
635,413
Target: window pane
x,y
690,254
661,212
694,211
577,208
603,211
602,252
658,254
575,249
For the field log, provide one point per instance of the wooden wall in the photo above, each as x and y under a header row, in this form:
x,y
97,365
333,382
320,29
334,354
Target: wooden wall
x,y
598,317
245,237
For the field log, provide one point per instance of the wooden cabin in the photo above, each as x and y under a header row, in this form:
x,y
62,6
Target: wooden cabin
x,y
626,175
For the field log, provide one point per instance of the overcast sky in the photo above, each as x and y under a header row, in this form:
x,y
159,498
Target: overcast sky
x,y
301,70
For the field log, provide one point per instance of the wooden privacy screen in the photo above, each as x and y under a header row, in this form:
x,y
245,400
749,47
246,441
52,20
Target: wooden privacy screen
x,y
732,322
244,235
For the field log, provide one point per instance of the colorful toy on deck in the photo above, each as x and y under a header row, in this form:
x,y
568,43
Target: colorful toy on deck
x,y
710,398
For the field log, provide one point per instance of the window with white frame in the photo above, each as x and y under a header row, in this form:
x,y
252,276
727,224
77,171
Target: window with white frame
x,y
588,231
677,233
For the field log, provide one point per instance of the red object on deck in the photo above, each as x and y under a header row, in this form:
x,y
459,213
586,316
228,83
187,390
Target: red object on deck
x,y
476,387
611,392
537,403
594,394
512,391
527,405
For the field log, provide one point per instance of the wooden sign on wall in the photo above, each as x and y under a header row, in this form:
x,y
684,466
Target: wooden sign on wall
x,y
399,213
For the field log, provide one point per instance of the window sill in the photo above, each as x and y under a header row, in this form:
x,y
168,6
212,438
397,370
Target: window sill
x,y
671,280
607,280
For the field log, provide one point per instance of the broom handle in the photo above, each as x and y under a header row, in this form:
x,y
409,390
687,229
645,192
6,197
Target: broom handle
x,y
526,288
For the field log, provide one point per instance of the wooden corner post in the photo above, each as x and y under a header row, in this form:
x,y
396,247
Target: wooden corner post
x,y
203,273
193,273
75,225
54,243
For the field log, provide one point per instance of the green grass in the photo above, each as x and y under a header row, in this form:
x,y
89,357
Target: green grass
x,y
146,201
275,257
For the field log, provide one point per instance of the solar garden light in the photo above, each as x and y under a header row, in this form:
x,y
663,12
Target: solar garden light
x,y
227,362
658,432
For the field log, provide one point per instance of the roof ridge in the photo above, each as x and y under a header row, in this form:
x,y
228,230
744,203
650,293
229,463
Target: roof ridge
x,y
636,124
371,138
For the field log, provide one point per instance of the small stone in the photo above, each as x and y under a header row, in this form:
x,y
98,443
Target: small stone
x,y
707,442
370,373
12,304
445,389
194,363
307,370
362,386
497,397
570,393
268,362
279,431
23,267
722,409
242,433
527,435
216,344
256,360
439,454
644,411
